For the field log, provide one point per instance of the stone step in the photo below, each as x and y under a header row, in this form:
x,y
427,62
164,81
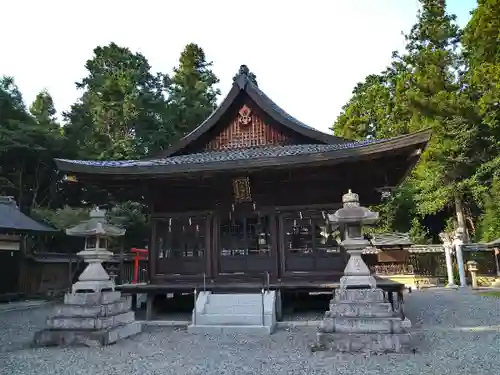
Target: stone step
x,y
123,305
360,309
236,309
235,299
90,323
50,337
361,325
233,319
360,295
231,329
377,343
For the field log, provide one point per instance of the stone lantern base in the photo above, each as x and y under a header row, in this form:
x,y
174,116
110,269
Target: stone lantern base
x,y
362,320
89,319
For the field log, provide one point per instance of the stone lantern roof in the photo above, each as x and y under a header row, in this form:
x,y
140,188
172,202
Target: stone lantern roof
x,y
95,226
352,212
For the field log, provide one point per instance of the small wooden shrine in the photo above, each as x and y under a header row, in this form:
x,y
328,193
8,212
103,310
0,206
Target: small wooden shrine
x,y
14,225
246,195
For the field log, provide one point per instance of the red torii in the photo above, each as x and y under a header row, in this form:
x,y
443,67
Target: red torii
x,y
140,254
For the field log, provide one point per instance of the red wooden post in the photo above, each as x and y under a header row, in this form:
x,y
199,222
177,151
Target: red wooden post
x,y
137,258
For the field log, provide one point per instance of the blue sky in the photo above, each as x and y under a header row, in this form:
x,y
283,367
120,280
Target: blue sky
x,y
307,55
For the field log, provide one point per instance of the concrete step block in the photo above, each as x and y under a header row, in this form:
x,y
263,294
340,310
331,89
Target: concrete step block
x,y
236,309
233,319
231,329
376,343
90,323
236,299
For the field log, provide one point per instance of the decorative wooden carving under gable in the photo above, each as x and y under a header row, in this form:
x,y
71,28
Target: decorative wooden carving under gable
x,y
241,190
247,129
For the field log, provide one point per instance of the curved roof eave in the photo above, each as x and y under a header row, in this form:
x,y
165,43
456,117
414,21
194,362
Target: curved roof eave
x,y
340,154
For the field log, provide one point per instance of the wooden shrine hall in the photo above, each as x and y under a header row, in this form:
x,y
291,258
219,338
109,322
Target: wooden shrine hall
x,y
244,197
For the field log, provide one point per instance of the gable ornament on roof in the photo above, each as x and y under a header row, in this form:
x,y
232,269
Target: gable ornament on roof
x,y
245,115
244,71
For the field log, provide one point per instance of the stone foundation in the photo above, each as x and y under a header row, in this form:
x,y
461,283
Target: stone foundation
x,y
89,319
362,320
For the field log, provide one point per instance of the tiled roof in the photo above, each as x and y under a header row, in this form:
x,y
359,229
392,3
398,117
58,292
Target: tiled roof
x,y
391,239
11,219
228,155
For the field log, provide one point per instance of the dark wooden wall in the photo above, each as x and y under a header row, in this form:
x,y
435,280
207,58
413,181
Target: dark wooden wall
x,y
273,188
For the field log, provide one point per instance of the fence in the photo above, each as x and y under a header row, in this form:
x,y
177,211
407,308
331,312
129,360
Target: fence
x,y
430,261
52,274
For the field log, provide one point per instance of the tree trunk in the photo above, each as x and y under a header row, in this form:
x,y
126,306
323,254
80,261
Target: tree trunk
x,y
461,219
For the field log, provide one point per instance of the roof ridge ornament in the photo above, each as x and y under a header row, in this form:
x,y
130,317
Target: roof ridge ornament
x,y
243,76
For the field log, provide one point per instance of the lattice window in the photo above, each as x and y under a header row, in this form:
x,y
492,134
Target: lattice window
x,y
308,235
245,236
181,238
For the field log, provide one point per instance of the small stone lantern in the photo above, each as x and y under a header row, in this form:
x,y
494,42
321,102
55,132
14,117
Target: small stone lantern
x,y
96,232
472,267
353,217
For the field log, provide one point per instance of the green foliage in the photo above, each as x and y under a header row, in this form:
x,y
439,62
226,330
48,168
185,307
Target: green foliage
x,y
122,113
489,224
192,94
62,218
28,144
426,86
133,217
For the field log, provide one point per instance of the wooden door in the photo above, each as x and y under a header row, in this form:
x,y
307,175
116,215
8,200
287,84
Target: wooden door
x,y
308,246
182,246
245,247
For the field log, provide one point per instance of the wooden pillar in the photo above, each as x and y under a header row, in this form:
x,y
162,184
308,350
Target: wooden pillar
x,y
149,306
273,223
279,305
208,248
153,251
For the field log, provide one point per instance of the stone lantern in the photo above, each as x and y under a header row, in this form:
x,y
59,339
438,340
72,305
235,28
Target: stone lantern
x,y
353,217
96,232
472,268
360,317
93,313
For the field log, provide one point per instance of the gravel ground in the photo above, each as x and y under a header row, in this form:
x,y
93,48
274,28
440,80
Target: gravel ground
x,y
440,347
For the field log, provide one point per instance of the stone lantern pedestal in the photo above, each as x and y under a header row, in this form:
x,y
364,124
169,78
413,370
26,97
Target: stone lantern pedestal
x,y
93,313
473,269
360,317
